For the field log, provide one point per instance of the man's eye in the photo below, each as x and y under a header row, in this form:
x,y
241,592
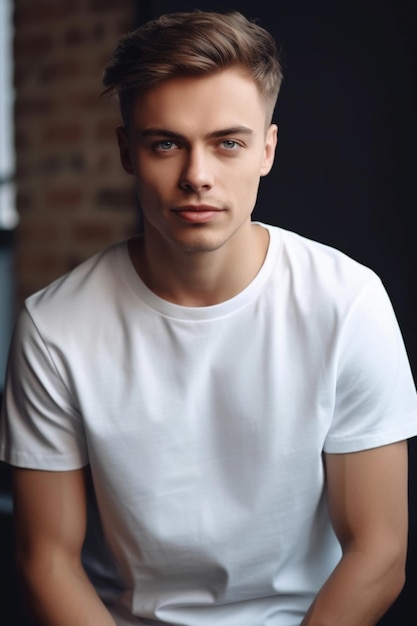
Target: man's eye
x,y
165,146
230,144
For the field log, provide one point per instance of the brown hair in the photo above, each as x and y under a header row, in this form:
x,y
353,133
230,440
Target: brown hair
x,y
192,44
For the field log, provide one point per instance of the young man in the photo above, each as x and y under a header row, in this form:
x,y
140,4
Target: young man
x,y
237,397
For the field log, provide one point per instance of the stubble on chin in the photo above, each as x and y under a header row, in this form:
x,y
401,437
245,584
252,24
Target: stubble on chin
x,y
200,243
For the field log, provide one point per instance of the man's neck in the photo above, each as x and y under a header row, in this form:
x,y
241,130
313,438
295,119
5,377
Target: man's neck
x,y
204,278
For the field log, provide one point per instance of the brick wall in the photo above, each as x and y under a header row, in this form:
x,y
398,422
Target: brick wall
x,y
72,195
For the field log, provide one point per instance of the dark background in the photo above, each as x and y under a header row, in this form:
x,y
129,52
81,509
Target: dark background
x,y
346,166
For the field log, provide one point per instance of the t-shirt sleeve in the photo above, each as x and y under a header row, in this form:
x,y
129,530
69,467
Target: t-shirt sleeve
x,y
375,401
40,426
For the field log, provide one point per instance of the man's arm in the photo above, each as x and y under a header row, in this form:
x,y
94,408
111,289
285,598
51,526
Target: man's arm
x,y
50,525
367,493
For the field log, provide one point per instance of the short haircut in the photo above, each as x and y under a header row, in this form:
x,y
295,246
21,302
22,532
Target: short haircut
x,y
193,44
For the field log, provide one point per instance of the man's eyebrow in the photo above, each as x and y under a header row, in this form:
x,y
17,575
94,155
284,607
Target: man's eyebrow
x,y
159,132
170,134
233,130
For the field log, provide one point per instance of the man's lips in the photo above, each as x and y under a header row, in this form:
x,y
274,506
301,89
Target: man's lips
x,y
197,214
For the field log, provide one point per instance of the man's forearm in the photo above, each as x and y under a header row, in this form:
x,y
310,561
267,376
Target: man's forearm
x,y
64,597
358,593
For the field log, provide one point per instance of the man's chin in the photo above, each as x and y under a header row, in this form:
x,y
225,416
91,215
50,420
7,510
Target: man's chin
x,y
199,245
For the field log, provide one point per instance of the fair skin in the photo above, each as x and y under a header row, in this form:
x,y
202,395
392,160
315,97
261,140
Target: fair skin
x,y
50,526
199,143
197,149
367,493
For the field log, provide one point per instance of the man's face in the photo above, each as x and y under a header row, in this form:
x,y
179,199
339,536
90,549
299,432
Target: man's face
x,y
197,148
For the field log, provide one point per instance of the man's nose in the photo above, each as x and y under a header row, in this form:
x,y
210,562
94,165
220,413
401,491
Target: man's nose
x,y
197,173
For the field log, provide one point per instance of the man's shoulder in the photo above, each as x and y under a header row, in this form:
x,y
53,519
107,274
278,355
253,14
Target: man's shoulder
x,y
320,261
318,276
86,285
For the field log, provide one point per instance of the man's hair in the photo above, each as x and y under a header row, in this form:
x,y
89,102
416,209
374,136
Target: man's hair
x,y
195,44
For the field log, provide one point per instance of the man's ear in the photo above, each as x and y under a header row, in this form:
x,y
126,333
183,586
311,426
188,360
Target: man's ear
x,y
124,149
271,141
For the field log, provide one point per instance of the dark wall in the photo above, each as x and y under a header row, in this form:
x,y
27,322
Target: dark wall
x,y
346,165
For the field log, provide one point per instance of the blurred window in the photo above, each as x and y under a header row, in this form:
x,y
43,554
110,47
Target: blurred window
x,y
8,213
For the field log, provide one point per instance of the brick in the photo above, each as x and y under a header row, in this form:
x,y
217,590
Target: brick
x,y
62,163
125,24
106,131
34,107
25,288
106,162
73,195
48,264
51,165
21,140
98,32
74,36
62,134
60,71
83,101
64,197
92,230
24,201
102,5
36,230
76,163
42,11
35,46
115,198
21,75
24,169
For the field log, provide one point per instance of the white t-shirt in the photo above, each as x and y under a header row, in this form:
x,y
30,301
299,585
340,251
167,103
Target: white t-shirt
x,y
204,428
